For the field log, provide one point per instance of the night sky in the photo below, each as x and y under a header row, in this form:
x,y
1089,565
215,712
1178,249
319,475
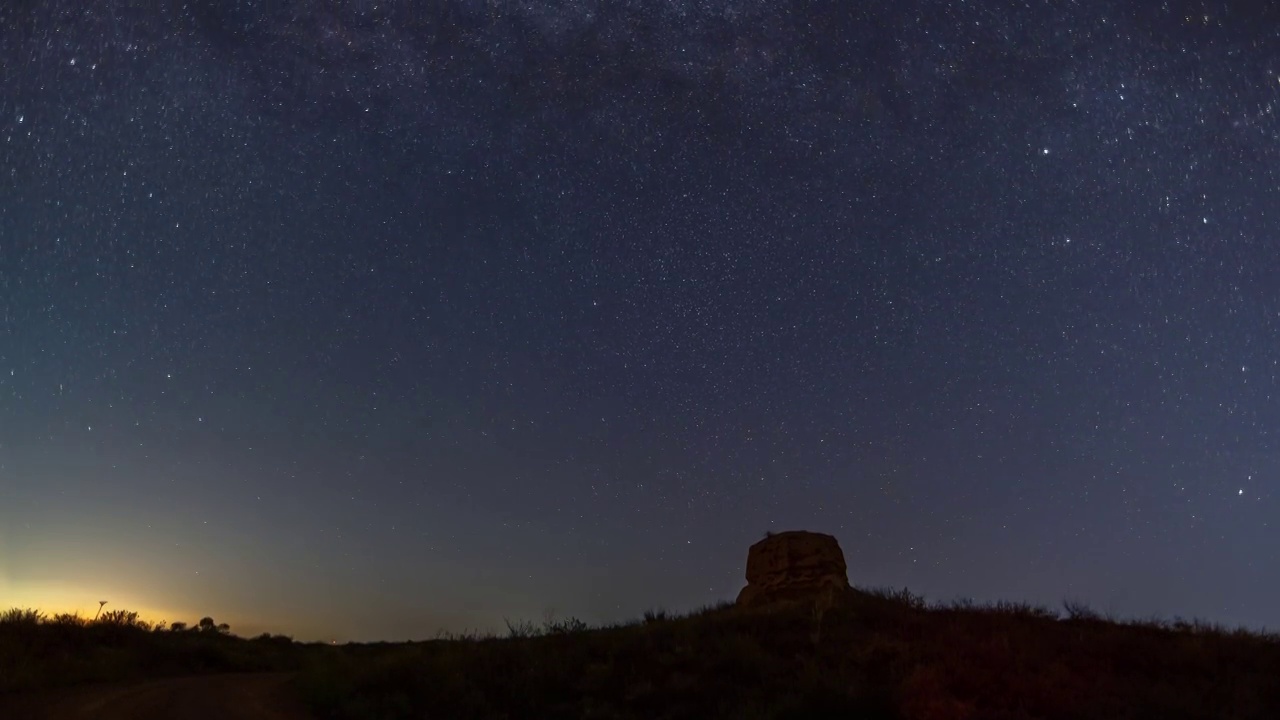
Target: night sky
x,y
362,320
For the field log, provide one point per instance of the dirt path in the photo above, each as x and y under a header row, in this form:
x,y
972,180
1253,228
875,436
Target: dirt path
x,y
259,696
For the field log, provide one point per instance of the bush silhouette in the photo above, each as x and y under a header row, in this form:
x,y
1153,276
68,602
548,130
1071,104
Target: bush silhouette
x,y
42,652
207,625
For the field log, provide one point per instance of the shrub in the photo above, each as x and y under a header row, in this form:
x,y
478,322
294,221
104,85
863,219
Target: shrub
x,y
654,615
564,627
21,616
1077,610
520,628
122,618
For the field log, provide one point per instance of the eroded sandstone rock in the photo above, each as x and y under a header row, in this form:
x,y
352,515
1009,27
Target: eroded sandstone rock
x,y
793,565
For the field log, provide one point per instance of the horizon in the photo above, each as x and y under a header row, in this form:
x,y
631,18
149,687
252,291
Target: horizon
x,y
247,627
373,320
250,630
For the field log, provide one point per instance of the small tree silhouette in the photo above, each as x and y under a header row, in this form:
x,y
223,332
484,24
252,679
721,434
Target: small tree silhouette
x,y
208,625
100,604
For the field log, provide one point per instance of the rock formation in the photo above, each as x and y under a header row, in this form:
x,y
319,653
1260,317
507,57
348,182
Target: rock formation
x,y
793,565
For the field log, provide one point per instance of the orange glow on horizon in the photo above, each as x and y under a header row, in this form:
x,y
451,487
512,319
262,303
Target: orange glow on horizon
x,y
52,599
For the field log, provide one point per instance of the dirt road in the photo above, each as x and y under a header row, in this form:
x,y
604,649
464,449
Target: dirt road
x,y
258,696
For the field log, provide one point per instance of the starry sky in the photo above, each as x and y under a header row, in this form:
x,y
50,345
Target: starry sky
x,y
361,320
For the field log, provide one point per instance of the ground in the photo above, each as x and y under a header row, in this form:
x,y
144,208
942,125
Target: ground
x,y
245,696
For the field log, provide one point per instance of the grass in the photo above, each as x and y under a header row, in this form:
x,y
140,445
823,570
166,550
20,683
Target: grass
x,y
41,652
870,654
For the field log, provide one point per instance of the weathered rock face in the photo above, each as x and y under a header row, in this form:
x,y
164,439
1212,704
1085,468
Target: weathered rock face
x,y
793,565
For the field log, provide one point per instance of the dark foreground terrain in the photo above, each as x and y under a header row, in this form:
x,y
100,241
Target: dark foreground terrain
x,y
869,655
261,696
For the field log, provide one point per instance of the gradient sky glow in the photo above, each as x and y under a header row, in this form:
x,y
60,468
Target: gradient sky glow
x,y
365,320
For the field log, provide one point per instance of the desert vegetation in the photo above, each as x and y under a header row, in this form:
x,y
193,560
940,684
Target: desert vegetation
x,y
873,654
40,651
869,654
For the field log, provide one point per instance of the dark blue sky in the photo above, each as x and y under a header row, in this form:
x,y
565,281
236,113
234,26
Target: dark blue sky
x,y
362,320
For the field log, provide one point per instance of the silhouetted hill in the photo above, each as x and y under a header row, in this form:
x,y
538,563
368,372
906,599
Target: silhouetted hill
x,y
870,655
867,654
39,652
